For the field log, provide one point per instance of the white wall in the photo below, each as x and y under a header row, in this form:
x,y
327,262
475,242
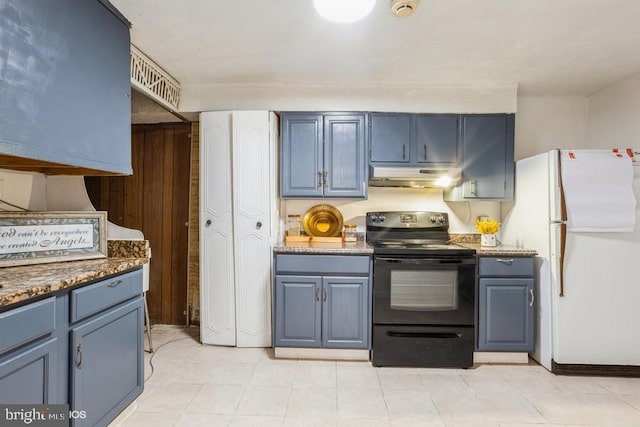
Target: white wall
x,y
400,98
462,215
24,189
614,116
545,123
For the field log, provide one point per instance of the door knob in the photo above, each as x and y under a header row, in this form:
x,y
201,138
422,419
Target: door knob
x,y
258,225
208,223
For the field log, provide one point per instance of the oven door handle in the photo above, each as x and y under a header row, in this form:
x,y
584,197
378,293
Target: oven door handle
x,y
430,261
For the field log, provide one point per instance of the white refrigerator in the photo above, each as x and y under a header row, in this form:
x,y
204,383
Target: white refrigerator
x,y
597,320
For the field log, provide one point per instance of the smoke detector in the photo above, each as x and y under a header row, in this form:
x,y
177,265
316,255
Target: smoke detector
x,y
402,8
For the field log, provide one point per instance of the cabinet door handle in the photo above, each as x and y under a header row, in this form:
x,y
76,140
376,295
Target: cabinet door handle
x,y
208,223
324,295
319,179
533,298
114,284
425,151
505,260
317,294
404,151
472,189
79,356
325,179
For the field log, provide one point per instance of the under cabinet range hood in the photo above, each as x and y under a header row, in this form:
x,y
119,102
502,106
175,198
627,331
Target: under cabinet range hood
x,y
414,177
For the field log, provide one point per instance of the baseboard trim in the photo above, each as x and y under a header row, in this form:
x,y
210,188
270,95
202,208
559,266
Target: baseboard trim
x,y
500,357
595,370
320,353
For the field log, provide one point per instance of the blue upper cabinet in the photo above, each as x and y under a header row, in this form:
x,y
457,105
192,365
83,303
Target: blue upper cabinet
x,y
302,151
436,139
413,139
345,171
390,138
488,158
323,155
65,90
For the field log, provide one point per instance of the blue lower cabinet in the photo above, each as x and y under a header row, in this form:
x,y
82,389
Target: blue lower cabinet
x,y
29,375
505,312
298,311
345,313
322,311
83,347
107,363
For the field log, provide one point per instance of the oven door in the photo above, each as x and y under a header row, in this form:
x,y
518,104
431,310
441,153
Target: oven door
x,y
424,291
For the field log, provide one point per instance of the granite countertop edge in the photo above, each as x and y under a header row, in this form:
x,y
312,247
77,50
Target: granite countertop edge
x,y
500,250
30,281
357,248
21,283
362,248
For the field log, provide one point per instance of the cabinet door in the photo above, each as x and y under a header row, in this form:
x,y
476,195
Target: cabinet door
x,y
390,138
301,151
345,312
436,139
29,375
298,311
344,156
488,165
66,85
505,314
106,356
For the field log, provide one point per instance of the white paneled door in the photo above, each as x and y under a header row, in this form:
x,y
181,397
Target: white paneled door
x,y
236,173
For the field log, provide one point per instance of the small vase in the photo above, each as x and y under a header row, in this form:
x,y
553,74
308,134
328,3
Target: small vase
x,y
488,240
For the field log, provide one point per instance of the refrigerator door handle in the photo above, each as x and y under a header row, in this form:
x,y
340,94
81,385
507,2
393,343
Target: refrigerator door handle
x,y
563,225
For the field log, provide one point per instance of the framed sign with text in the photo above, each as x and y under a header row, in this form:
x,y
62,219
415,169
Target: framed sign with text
x,y
42,237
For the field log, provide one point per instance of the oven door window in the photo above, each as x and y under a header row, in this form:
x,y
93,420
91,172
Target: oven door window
x,y
419,290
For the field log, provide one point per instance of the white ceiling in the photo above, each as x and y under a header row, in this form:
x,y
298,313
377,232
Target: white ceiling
x,y
544,47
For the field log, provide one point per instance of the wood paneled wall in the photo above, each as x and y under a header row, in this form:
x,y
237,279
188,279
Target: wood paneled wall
x,y
193,296
155,199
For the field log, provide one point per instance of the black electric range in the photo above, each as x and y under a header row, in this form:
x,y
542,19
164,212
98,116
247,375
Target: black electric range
x,y
424,291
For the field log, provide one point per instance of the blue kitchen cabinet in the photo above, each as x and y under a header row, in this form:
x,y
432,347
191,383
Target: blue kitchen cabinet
x,y
298,311
82,347
107,364
413,139
65,90
506,304
436,139
345,320
323,155
488,166
28,354
322,301
106,347
301,173
390,138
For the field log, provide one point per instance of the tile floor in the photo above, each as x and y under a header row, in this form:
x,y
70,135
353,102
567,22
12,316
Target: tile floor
x,y
194,385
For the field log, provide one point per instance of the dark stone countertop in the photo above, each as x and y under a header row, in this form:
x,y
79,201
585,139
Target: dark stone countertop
x,y
24,282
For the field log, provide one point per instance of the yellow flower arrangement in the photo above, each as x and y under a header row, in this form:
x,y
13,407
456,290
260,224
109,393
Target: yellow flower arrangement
x,y
487,226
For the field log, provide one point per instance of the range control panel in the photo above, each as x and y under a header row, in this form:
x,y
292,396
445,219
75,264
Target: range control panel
x,y
402,219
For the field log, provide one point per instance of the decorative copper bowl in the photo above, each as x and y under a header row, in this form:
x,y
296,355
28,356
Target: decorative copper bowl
x,y
322,221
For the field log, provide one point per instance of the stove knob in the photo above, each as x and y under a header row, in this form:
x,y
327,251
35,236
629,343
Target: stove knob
x,y
441,219
381,218
432,218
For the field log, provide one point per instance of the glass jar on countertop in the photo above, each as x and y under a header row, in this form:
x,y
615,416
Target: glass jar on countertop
x,y
350,233
293,225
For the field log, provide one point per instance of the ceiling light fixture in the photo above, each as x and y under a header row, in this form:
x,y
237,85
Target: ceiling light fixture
x,y
344,11
402,8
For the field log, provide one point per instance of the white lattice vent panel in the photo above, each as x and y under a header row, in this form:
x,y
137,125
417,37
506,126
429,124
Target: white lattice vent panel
x,y
148,77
